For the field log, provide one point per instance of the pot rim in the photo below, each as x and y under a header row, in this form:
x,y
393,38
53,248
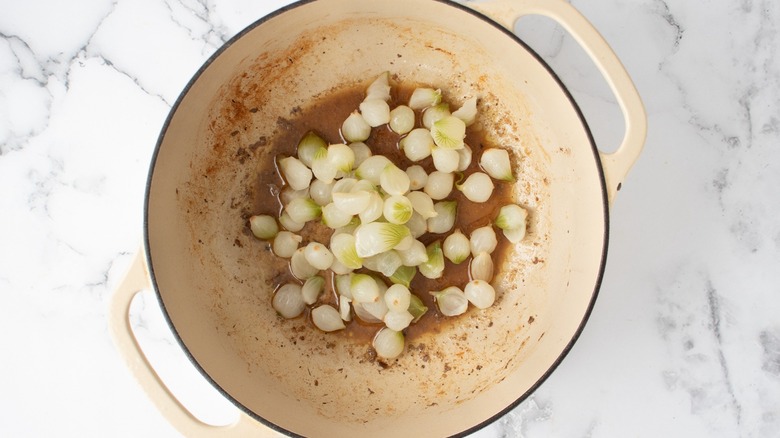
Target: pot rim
x,y
224,47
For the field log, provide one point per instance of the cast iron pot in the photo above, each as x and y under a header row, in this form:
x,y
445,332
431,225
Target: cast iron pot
x,y
209,273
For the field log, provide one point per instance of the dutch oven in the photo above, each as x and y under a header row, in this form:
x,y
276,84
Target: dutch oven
x,y
210,274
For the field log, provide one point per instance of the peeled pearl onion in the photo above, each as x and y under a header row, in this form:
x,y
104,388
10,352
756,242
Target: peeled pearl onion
x,y
288,301
478,187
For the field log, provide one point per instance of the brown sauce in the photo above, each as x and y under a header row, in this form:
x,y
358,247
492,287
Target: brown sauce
x,y
325,118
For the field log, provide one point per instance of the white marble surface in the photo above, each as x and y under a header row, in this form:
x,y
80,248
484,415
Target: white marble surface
x,y
685,337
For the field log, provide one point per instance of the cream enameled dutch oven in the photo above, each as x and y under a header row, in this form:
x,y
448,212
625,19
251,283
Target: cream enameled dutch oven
x,y
209,275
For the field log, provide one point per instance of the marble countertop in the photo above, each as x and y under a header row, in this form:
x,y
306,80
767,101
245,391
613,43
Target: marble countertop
x,y
685,336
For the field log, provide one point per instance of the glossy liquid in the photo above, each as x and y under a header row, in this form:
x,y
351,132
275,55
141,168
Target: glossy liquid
x,y
325,118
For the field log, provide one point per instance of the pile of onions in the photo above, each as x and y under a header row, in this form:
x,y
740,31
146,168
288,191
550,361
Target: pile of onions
x,y
377,213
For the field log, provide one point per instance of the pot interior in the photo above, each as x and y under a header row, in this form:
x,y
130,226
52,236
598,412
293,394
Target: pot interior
x,y
215,280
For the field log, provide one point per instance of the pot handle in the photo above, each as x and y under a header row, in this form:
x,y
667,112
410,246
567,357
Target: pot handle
x,y
137,279
615,164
